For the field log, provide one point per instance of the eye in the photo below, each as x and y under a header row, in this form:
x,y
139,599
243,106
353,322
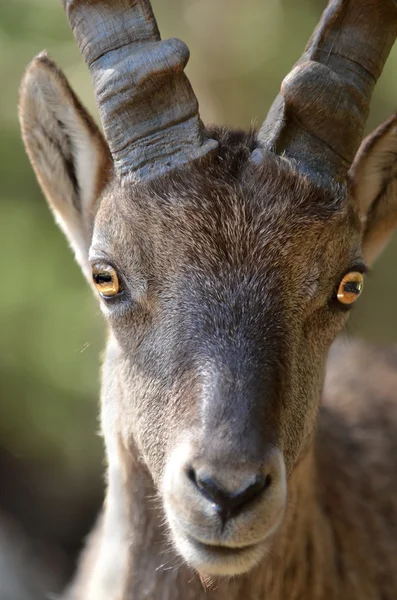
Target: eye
x,y
106,280
350,287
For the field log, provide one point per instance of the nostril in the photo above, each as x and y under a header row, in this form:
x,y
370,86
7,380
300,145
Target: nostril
x,y
259,484
228,503
208,487
192,475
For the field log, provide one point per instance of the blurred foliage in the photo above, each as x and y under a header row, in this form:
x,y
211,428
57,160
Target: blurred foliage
x,y
51,333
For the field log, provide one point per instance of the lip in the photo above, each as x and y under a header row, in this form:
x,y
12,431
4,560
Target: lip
x,y
219,560
221,550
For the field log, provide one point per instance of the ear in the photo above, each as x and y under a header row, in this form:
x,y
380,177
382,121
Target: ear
x,y
68,153
374,184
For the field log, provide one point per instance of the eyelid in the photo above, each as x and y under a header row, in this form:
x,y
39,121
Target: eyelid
x,y
358,267
94,260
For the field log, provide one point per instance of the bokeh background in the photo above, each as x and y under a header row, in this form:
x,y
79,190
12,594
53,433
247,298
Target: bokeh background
x,y
51,331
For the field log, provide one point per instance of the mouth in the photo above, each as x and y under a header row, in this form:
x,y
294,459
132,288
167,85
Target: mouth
x,y
220,560
214,546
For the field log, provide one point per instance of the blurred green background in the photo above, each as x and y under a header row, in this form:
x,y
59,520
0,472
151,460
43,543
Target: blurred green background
x,y
51,331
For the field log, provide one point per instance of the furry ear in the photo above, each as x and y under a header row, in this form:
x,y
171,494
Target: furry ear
x,y
68,153
374,183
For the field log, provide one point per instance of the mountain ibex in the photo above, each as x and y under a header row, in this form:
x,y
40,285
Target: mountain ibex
x,y
225,264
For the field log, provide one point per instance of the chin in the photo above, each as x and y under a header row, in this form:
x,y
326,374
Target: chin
x,y
219,561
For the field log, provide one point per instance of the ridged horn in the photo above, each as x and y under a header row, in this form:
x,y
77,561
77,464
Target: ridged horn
x,y
318,118
147,107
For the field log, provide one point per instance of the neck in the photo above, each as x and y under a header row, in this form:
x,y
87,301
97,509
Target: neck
x,y
132,559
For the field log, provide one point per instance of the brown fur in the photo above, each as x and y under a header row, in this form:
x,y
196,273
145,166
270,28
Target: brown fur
x,y
216,358
339,537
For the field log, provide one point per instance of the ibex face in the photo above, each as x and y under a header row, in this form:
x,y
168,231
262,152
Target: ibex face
x,y
219,341
225,263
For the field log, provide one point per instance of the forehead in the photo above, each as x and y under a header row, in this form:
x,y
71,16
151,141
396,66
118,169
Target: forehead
x,y
213,216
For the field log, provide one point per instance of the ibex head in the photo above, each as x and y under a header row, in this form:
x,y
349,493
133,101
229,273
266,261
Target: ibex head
x,y
225,263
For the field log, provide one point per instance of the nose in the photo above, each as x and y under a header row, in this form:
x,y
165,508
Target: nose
x,y
229,503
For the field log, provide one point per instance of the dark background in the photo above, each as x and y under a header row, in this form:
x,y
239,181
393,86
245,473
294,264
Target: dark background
x,y
51,332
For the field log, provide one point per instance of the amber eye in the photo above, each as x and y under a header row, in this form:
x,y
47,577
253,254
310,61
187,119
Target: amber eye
x,y
106,280
350,287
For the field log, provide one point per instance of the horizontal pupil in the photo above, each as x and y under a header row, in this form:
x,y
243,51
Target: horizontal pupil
x,y
352,287
102,278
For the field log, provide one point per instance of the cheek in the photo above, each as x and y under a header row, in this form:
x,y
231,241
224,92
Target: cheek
x,y
149,403
302,396
150,417
146,420
321,329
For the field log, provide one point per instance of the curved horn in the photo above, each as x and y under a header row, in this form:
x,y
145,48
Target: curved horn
x,y
320,114
148,109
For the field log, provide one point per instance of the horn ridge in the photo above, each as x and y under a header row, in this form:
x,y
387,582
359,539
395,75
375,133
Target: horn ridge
x,y
147,107
318,119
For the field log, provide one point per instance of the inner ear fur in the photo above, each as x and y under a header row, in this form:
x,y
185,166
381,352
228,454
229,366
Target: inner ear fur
x,y
374,184
68,152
